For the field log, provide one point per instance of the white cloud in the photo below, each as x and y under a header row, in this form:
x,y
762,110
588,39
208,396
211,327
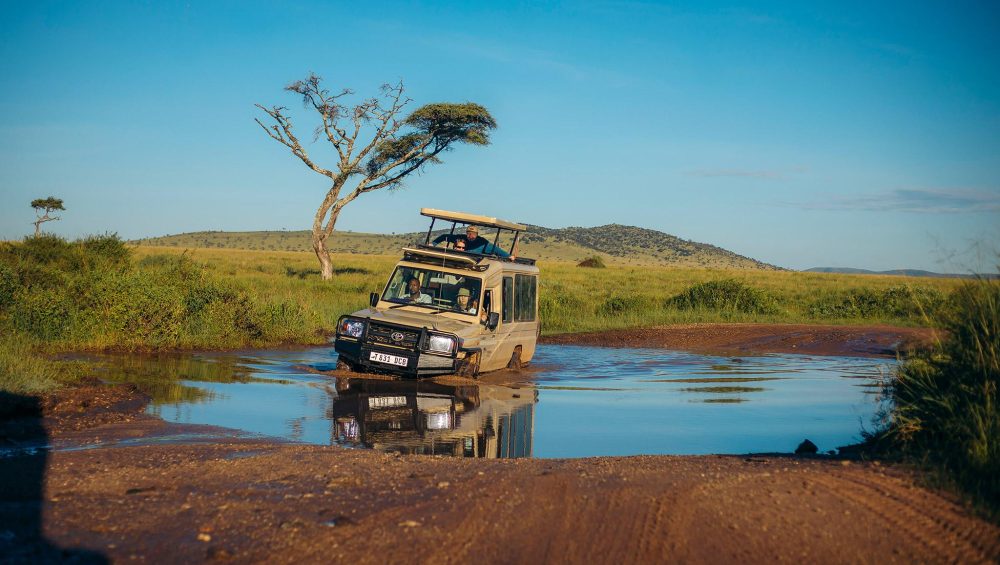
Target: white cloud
x,y
921,201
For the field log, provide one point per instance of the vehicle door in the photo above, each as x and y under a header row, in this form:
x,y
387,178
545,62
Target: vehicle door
x,y
520,312
493,341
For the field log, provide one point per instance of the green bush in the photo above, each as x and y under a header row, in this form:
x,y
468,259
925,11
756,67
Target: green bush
x,y
107,248
900,301
47,249
620,305
43,314
90,294
150,314
728,295
945,401
9,284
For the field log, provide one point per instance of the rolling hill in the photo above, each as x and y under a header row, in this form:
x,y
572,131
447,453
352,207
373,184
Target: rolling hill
x,y
615,243
898,272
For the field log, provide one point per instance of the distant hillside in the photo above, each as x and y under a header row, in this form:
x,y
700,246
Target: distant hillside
x,y
629,241
896,272
615,243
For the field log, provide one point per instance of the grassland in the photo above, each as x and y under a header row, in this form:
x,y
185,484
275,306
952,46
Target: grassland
x,y
576,299
99,294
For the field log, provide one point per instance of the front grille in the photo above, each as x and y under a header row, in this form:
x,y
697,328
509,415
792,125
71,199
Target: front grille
x,y
383,335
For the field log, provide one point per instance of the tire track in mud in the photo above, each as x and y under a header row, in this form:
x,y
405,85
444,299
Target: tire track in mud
x,y
938,525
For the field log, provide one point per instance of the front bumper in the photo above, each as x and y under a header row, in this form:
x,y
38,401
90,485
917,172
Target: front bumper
x,y
358,354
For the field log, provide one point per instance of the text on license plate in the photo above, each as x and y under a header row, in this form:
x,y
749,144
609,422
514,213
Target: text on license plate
x,y
391,359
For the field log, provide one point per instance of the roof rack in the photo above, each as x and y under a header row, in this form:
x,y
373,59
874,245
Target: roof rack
x,y
466,218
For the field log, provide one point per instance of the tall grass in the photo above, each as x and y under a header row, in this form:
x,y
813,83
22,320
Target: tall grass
x,y
24,371
945,402
91,294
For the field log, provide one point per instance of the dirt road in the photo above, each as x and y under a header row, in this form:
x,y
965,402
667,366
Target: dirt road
x,y
743,339
256,501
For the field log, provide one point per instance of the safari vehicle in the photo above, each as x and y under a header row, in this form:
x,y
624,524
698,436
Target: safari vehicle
x,y
445,310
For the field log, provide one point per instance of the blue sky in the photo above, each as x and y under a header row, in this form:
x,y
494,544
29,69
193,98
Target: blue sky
x,y
801,134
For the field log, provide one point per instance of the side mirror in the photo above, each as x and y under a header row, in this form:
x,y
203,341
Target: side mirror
x,y
493,321
373,299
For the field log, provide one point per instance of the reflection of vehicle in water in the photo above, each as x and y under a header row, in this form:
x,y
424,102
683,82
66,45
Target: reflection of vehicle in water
x,y
447,310
434,419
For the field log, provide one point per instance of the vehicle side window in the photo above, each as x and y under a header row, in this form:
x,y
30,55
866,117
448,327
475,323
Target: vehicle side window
x,y
487,302
508,300
524,298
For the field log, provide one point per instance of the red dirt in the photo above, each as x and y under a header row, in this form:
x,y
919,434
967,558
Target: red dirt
x,y
743,339
259,502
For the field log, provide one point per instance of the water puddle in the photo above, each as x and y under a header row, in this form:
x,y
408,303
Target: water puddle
x,y
575,401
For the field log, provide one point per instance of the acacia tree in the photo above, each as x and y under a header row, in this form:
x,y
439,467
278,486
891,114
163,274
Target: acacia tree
x,y
43,207
376,147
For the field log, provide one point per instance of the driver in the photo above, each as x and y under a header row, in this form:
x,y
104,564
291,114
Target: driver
x,y
413,292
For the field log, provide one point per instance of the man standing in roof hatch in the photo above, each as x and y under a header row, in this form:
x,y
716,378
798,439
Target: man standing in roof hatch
x,y
473,243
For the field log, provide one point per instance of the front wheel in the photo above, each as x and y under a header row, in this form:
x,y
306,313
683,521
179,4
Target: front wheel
x,y
470,366
344,366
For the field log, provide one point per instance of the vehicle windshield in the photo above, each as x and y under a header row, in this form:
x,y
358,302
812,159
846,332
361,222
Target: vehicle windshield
x,y
434,289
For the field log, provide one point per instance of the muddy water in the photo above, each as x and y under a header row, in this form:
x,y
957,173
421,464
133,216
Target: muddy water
x,y
573,402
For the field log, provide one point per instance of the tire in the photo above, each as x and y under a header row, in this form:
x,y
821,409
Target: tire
x,y
515,363
470,366
344,365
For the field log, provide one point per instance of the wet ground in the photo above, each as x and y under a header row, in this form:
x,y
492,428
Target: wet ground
x,y
574,401
156,491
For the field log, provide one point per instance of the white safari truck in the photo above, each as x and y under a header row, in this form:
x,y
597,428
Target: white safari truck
x,y
458,303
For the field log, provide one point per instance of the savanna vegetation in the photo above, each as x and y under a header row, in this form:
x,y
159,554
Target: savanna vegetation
x,y
945,414
98,293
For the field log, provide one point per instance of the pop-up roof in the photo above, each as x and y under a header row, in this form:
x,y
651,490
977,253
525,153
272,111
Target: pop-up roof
x,y
464,218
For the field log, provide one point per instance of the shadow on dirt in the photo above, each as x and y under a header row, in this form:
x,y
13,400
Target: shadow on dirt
x,y
23,458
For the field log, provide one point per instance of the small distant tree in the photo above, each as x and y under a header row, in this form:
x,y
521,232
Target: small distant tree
x,y
376,146
43,207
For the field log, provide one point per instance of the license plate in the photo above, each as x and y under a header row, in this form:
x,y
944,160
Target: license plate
x,y
390,359
386,401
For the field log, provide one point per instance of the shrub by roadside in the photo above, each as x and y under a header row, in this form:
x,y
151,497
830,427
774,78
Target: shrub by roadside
x,y
727,296
945,413
900,301
89,294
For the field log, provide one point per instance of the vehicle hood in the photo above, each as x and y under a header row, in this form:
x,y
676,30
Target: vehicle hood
x,y
420,320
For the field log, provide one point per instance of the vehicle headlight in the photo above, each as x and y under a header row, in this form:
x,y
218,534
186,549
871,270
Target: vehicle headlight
x,y
440,344
438,421
351,327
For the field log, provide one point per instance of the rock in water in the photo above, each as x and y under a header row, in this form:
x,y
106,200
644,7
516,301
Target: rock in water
x,y
806,448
